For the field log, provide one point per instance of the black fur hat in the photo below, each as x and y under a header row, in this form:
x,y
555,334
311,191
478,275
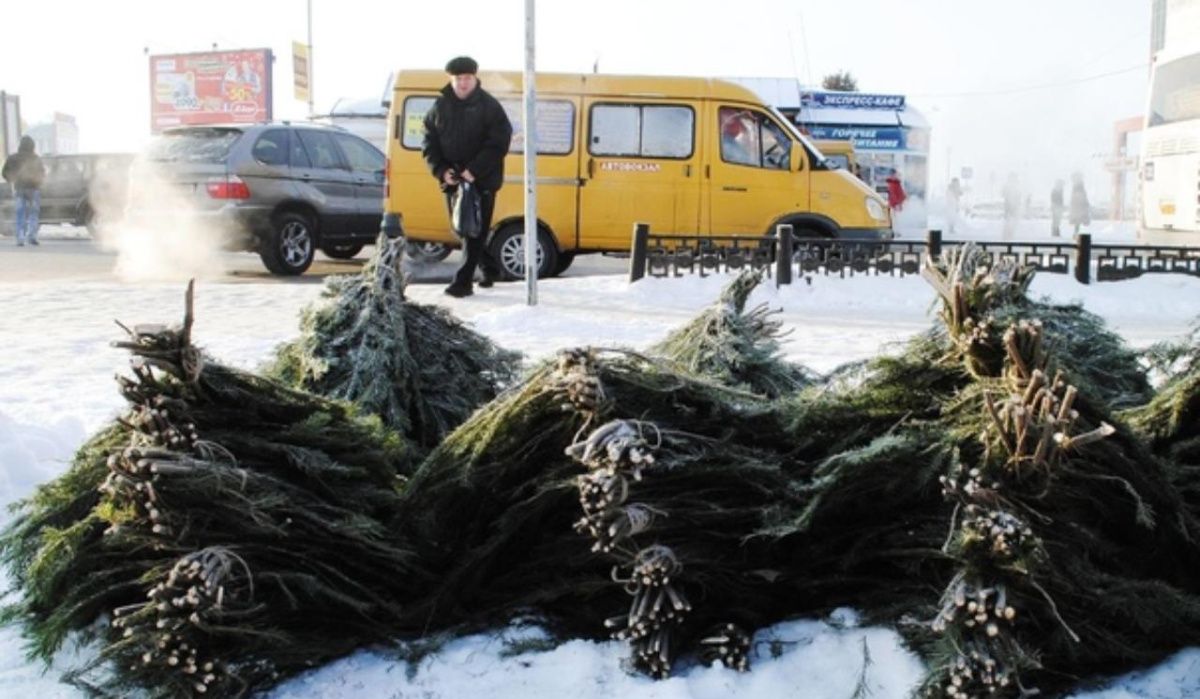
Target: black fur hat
x,y
462,65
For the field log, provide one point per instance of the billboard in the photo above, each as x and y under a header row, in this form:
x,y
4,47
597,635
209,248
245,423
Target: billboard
x,y
863,137
212,87
301,72
851,100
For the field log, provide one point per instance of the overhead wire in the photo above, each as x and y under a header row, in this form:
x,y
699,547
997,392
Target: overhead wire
x,y
1030,88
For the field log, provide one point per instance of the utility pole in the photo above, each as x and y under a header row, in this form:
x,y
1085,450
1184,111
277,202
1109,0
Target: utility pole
x,y
530,122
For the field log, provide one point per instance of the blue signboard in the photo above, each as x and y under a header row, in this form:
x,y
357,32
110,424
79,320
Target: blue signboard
x,y
852,100
863,137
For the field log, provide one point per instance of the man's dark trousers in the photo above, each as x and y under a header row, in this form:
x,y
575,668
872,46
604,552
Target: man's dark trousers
x,y
475,252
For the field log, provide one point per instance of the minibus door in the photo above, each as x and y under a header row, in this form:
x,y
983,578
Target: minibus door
x,y
759,173
641,165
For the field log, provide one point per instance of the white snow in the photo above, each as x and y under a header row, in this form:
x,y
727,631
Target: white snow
x,y
56,387
815,659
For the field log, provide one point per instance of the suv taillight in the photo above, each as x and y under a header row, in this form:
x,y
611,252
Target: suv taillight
x,y
230,187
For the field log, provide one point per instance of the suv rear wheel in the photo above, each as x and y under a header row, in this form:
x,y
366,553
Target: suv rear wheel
x,y
290,247
97,223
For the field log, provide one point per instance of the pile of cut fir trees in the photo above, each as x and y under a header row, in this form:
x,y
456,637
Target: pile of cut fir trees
x,y
1008,492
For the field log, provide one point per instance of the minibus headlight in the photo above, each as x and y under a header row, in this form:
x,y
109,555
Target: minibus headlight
x,y
875,209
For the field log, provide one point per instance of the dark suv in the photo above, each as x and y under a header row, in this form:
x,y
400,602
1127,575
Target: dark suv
x,y
281,190
82,190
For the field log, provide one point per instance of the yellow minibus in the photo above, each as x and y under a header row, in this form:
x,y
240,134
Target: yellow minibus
x,y
688,156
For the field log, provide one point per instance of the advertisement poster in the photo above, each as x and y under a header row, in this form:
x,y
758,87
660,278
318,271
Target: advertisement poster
x,y
852,100
863,137
210,88
300,71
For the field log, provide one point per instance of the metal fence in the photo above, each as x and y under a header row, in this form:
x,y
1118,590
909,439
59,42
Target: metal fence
x,y
785,256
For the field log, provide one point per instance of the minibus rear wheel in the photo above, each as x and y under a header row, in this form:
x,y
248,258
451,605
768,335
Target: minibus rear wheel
x,y
508,250
564,262
426,253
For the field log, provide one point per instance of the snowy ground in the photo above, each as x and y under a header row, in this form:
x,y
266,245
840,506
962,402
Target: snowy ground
x,y
56,387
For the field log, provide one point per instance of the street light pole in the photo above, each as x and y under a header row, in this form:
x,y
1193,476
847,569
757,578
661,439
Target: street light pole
x,y
530,125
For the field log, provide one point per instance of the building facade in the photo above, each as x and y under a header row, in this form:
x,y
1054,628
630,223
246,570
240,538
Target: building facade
x,y
59,136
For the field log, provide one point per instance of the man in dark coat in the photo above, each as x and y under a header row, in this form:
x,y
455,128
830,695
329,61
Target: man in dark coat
x,y
25,172
467,135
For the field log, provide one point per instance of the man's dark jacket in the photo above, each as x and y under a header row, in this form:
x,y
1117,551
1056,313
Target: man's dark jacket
x,y
24,169
472,134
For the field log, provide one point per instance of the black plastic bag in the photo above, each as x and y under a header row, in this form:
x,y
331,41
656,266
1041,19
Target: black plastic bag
x,y
466,217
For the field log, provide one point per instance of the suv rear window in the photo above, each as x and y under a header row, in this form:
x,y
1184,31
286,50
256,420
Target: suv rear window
x,y
359,154
321,150
193,145
271,148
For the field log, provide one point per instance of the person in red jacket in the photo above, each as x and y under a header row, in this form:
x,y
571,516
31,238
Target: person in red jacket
x,y
896,195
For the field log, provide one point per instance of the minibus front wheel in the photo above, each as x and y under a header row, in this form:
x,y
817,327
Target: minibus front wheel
x,y
508,249
816,239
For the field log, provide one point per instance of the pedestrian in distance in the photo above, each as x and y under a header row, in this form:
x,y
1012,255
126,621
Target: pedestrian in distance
x,y
467,135
1012,205
1081,214
895,190
1056,208
26,172
953,204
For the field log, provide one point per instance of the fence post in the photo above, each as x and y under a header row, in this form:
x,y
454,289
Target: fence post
x,y
783,254
637,255
1083,258
933,243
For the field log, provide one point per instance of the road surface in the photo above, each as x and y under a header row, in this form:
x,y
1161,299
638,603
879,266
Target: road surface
x,y
67,253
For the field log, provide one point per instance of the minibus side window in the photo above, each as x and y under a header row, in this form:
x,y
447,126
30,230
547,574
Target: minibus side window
x,y
412,121
645,131
750,138
739,137
616,130
777,147
555,126
666,132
